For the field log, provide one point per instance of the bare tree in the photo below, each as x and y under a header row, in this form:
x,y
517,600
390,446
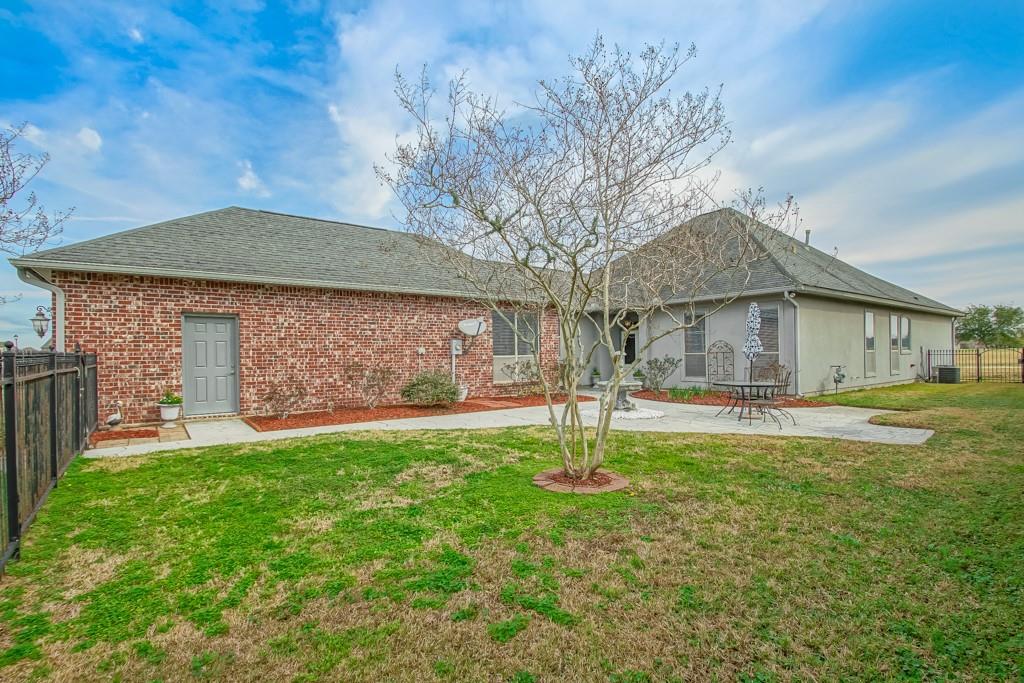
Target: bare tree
x,y
579,205
26,227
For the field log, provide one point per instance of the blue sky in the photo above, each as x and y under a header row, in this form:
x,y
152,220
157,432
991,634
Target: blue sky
x,y
898,126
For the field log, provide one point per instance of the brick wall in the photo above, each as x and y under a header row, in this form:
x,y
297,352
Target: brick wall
x,y
306,335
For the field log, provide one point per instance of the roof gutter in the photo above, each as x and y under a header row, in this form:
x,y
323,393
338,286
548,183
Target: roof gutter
x,y
790,297
891,303
229,277
32,277
828,294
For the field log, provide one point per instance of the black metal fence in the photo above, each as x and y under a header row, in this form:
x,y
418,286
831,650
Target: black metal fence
x,y
49,408
1003,364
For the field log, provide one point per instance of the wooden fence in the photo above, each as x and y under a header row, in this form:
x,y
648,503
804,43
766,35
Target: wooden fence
x,y
996,364
49,408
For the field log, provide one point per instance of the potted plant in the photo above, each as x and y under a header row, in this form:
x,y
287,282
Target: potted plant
x,y
595,377
170,407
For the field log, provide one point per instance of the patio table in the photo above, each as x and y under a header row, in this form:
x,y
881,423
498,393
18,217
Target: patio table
x,y
742,395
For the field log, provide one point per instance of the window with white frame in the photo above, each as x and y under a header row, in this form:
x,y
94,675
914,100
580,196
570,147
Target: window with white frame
x,y
513,334
870,365
905,334
769,336
894,344
695,360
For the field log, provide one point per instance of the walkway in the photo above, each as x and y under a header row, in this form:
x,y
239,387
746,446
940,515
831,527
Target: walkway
x,y
837,422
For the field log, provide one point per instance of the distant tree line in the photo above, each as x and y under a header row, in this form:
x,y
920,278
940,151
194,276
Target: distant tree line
x,y
999,325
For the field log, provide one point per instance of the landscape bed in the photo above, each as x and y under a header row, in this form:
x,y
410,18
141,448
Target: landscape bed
x,y
269,423
432,556
119,434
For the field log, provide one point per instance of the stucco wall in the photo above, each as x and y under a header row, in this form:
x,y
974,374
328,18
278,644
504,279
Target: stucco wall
x,y
309,335
832,333
727,323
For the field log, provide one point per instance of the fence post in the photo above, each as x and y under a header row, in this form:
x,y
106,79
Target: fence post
x,y
54,446
77,398
977,357
10,371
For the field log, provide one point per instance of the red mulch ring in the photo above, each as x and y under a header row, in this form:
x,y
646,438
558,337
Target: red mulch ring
x,y
595,480
556,481
118,434
271,423
721,398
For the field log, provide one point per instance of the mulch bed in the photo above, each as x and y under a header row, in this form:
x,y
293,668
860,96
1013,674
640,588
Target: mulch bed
x,y
119,434
271,423
556,481
597,479
721,398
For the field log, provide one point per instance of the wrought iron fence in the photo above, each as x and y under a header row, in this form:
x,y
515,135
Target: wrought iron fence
x,y
1002,364
49,408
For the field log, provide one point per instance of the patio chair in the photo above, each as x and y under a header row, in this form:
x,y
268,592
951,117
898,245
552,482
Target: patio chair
x,y
769,403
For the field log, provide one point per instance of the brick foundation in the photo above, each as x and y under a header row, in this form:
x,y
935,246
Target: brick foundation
x,y
134,324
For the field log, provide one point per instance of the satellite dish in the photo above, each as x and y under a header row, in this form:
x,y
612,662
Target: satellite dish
x,y
472,327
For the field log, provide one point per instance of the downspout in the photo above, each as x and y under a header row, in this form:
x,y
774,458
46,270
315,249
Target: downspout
x,y
29,276
796,340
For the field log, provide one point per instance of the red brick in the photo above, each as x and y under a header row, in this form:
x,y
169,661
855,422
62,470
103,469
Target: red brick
x,y
133,323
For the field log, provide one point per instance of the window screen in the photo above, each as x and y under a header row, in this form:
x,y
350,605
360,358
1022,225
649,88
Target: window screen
x,y
894,344
526,328
905,334
504,335
869,344
695,363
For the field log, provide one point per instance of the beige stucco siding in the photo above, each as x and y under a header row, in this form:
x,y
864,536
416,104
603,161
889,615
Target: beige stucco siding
x,y
832,333
727,323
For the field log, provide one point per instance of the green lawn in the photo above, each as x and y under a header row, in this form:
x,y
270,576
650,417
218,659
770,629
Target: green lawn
x,y
984,395
430,556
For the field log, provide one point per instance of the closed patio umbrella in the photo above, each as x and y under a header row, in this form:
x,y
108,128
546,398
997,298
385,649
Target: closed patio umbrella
x,y
752,346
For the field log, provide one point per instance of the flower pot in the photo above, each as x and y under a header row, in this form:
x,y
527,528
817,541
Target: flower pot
x,y
463,393
169,413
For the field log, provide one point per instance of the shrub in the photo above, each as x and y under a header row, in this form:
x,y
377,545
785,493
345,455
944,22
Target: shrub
x,y
372,379
688,393
283,397
523,375
658,370
431,388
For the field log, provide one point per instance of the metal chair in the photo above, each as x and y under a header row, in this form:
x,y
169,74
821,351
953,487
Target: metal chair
x,y
769,403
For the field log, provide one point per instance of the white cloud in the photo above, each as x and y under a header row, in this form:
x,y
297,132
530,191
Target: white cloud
x,y
250,182
89,138
884,172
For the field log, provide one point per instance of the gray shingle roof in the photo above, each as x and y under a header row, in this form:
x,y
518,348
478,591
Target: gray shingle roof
x,y
237,244
248,245
795,265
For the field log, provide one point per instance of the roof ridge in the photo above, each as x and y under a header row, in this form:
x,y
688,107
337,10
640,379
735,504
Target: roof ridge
x,y
778,264
318,219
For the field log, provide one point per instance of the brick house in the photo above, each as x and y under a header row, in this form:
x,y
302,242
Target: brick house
x,y
220,305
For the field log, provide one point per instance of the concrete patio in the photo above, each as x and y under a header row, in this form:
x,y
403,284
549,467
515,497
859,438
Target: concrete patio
x,y
830,422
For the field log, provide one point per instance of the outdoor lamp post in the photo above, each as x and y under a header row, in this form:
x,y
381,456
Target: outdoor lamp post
x,y
40,322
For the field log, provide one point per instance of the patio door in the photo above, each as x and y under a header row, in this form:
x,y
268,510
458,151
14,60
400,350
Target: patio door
x,y
209,364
